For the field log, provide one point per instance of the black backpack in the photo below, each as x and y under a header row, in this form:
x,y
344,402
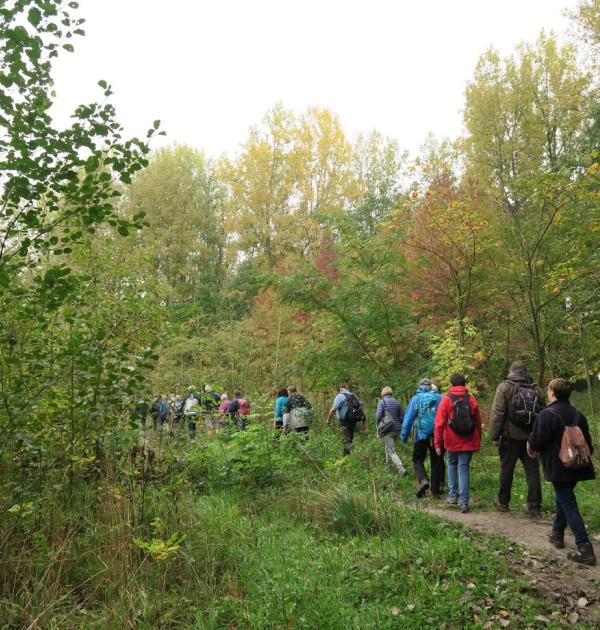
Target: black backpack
x,y
524,405
462,422
354,410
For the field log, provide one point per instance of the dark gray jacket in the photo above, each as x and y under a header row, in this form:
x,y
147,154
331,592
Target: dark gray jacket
x,y
394,409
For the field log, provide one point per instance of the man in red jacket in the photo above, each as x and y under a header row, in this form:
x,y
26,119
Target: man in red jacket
x,y
458,430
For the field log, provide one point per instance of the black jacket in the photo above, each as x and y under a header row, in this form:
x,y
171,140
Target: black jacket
x,y
546,438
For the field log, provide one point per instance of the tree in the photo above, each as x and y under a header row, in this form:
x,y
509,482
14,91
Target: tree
x,y
57,193
525,116
182,198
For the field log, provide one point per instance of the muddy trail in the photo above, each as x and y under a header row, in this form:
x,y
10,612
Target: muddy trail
x,y
575,589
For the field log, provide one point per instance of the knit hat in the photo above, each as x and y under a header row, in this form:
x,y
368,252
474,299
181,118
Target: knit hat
x,y
424,382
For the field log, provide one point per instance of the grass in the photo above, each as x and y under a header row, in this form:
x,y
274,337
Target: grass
x,y
261,530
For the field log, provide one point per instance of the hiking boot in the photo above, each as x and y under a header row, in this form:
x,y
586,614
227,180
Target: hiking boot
x,y
534,512
557,538
424,486
500,506
464,509
584,555
452,500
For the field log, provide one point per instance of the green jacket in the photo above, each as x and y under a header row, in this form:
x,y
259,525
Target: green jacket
x,y
498,424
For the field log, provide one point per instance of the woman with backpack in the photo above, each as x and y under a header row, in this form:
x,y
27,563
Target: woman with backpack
x,y
562,437
282,398
388,419
458,430
421,414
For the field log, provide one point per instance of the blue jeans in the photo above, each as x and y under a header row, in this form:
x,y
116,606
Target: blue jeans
x,y
568,512
458,475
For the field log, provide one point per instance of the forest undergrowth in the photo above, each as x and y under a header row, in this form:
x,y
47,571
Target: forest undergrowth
x,y
258,529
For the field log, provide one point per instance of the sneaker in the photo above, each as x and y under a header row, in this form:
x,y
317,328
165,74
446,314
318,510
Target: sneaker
x,y
464,509
584,555
452,500
402,471
557,538
500,506
423,488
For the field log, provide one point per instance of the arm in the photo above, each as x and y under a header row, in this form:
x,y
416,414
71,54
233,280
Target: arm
x,y
379,412
338,401
497,414
477,417
585,429
441,419
542,433
409,418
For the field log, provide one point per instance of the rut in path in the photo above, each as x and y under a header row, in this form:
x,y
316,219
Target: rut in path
x,y
542,565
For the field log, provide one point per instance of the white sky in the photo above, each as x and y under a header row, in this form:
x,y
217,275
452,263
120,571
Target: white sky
x,y
210,69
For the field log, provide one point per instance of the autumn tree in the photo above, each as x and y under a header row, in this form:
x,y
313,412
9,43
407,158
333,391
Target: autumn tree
x,y
525,116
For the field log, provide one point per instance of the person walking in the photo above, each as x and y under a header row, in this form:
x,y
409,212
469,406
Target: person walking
x,y
191,411
388,404
547,439
458,430
516,405
349,412
297,412
421,412
281,399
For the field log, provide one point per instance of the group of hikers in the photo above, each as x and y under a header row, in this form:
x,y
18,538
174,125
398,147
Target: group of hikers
x,y
210,408
525,424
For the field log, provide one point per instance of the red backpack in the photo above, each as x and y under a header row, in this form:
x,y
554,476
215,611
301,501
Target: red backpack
x,y
244,407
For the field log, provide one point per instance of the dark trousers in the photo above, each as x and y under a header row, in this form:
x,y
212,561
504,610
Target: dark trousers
x,y
510,452
347,429
567,511
437,465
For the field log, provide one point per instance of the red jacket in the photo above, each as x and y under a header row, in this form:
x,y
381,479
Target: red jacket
x,y
444,436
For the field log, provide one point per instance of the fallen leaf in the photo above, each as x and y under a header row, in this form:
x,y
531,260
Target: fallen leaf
x,y
470,586
410,607
395,610
504,613
504,622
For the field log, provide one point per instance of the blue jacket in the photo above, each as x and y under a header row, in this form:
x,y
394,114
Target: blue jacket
x,y
279,405
394,409
411,415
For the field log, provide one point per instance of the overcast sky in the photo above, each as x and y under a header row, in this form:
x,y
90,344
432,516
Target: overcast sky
x,y
210,69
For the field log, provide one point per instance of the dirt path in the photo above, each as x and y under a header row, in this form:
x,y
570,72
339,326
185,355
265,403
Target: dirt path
x,y
574,588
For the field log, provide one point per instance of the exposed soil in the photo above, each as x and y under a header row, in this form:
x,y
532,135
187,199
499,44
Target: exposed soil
x,y
574,588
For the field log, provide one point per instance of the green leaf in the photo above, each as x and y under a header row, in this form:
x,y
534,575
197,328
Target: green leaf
x,y
34,16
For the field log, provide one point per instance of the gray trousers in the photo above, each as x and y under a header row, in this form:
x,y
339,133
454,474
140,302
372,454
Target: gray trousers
x,y
389,441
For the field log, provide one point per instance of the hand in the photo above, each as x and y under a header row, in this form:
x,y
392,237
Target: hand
x,y
531,452
438,451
